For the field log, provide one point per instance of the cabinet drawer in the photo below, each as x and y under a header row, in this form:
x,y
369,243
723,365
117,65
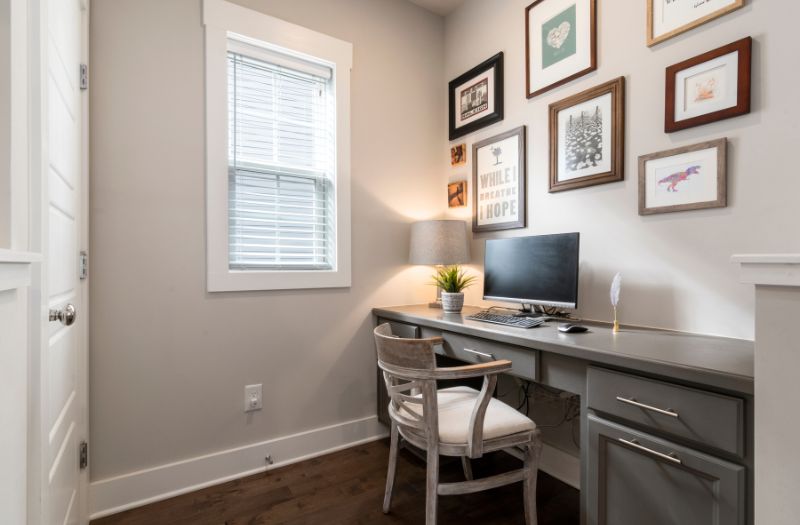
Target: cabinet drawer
x,y
637,479
404,330
476,350
710,419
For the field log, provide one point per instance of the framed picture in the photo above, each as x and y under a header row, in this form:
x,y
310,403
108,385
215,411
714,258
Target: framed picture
x,y
458,155
587,137
476,98
498,182
457,194
709,87
687,178
560,43
667,18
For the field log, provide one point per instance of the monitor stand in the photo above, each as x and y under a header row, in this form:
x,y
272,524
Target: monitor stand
x,y
528,311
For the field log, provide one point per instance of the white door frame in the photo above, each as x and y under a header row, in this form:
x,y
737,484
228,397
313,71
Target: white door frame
x,y
38,300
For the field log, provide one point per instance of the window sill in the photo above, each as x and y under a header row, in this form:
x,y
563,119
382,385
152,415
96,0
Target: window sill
x,y
241,281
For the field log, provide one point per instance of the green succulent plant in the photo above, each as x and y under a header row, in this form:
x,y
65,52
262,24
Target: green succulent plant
x,y
452,279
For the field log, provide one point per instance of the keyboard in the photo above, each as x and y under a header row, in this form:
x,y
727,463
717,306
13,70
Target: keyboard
x,y
507,320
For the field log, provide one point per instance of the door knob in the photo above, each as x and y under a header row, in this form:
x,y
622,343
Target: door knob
x,y
66,315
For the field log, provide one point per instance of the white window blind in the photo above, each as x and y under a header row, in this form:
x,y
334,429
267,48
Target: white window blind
x,y
281,162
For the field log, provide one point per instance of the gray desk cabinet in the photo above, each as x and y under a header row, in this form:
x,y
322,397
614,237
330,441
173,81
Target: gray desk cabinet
x,y
672,397
637,479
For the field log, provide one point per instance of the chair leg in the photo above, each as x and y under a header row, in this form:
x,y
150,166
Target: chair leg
x,y
532,454
431,495
467,466
390,475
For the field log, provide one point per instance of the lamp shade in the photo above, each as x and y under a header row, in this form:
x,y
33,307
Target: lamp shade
x,y
439,242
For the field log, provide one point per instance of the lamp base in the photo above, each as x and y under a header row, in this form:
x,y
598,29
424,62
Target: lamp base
x,y
435,304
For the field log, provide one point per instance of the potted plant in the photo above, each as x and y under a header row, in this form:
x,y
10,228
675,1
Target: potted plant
x,y
452,280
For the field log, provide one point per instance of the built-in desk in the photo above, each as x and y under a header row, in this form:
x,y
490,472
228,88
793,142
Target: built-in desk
x,y
666,417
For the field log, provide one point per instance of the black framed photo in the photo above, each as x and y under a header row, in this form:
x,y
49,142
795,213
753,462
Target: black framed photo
x,y
476,98
498,182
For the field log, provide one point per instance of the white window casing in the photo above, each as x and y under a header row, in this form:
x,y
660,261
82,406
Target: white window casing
x,y
277,179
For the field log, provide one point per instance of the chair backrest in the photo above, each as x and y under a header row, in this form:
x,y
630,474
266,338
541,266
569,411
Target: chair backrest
x,y
405,353
399,359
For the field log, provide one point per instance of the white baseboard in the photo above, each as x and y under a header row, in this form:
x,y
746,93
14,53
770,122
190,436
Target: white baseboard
x,y
120,493
560,465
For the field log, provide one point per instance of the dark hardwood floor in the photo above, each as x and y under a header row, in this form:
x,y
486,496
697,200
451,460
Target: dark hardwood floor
x,y
346,488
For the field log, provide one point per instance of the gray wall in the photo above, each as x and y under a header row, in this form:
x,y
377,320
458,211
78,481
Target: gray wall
x,y
676,267
168,360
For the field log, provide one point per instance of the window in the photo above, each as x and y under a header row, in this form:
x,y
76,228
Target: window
x,y
281,162
277,175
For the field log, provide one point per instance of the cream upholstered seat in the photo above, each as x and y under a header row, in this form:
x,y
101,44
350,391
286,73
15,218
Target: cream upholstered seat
x,y
455,408
457,421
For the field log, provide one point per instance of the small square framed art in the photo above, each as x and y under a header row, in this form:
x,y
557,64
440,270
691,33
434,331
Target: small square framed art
x,y
457,194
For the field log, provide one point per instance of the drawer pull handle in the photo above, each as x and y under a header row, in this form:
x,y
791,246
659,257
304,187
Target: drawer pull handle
x,y
635,444
668,412
482,354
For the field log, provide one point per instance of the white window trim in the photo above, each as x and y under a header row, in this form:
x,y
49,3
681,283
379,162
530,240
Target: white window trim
x,y
221,18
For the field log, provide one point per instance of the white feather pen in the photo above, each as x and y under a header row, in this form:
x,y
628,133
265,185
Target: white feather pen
x,y
616,285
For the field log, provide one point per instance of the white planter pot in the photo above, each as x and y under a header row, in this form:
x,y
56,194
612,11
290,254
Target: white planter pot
x,y
452,302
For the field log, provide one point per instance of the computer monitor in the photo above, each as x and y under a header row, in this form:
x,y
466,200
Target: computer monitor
x,y
536,270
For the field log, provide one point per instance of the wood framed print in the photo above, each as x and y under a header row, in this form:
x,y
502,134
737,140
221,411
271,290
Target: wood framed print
x,y
476,98
587,137
560,43
709,87
498,182
688,178
668,18
458,155
457,194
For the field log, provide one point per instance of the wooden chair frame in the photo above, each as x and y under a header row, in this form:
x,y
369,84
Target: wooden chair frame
x,y
410,372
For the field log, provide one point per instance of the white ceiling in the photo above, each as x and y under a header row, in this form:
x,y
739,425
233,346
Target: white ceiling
x,y
440,7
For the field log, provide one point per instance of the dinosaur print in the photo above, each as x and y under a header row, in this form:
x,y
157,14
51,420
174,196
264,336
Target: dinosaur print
x,y
675,178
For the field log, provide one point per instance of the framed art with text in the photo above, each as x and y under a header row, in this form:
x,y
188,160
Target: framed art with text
x,y
587,137
667,18
709,87
687,178
498,182
560,43
475,98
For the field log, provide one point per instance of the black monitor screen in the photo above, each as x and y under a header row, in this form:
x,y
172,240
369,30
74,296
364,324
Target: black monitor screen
x,y
541,269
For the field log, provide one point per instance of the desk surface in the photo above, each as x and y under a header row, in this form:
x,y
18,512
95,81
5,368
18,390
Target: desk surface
x,y
717,361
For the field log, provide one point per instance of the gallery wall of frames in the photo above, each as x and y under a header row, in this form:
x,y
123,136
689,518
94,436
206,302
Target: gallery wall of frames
x,y
586,132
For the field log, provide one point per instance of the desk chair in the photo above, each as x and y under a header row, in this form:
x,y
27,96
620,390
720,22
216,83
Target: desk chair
x,y
457,421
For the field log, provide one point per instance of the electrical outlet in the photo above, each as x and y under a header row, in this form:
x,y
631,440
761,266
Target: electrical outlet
x,y
252,398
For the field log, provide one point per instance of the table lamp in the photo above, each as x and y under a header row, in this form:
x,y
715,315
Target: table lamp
x,y
439,243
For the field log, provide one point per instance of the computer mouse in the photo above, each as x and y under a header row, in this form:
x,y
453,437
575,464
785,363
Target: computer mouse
x,y
570,328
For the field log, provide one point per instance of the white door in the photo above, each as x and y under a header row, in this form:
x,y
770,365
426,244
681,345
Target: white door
x,y
62,370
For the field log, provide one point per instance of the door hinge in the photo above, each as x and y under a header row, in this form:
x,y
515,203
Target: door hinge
x,y
84,455
84,77
83,265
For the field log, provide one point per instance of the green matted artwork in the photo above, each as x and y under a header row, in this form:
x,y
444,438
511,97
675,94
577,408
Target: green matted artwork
x,y
558,37
560,43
